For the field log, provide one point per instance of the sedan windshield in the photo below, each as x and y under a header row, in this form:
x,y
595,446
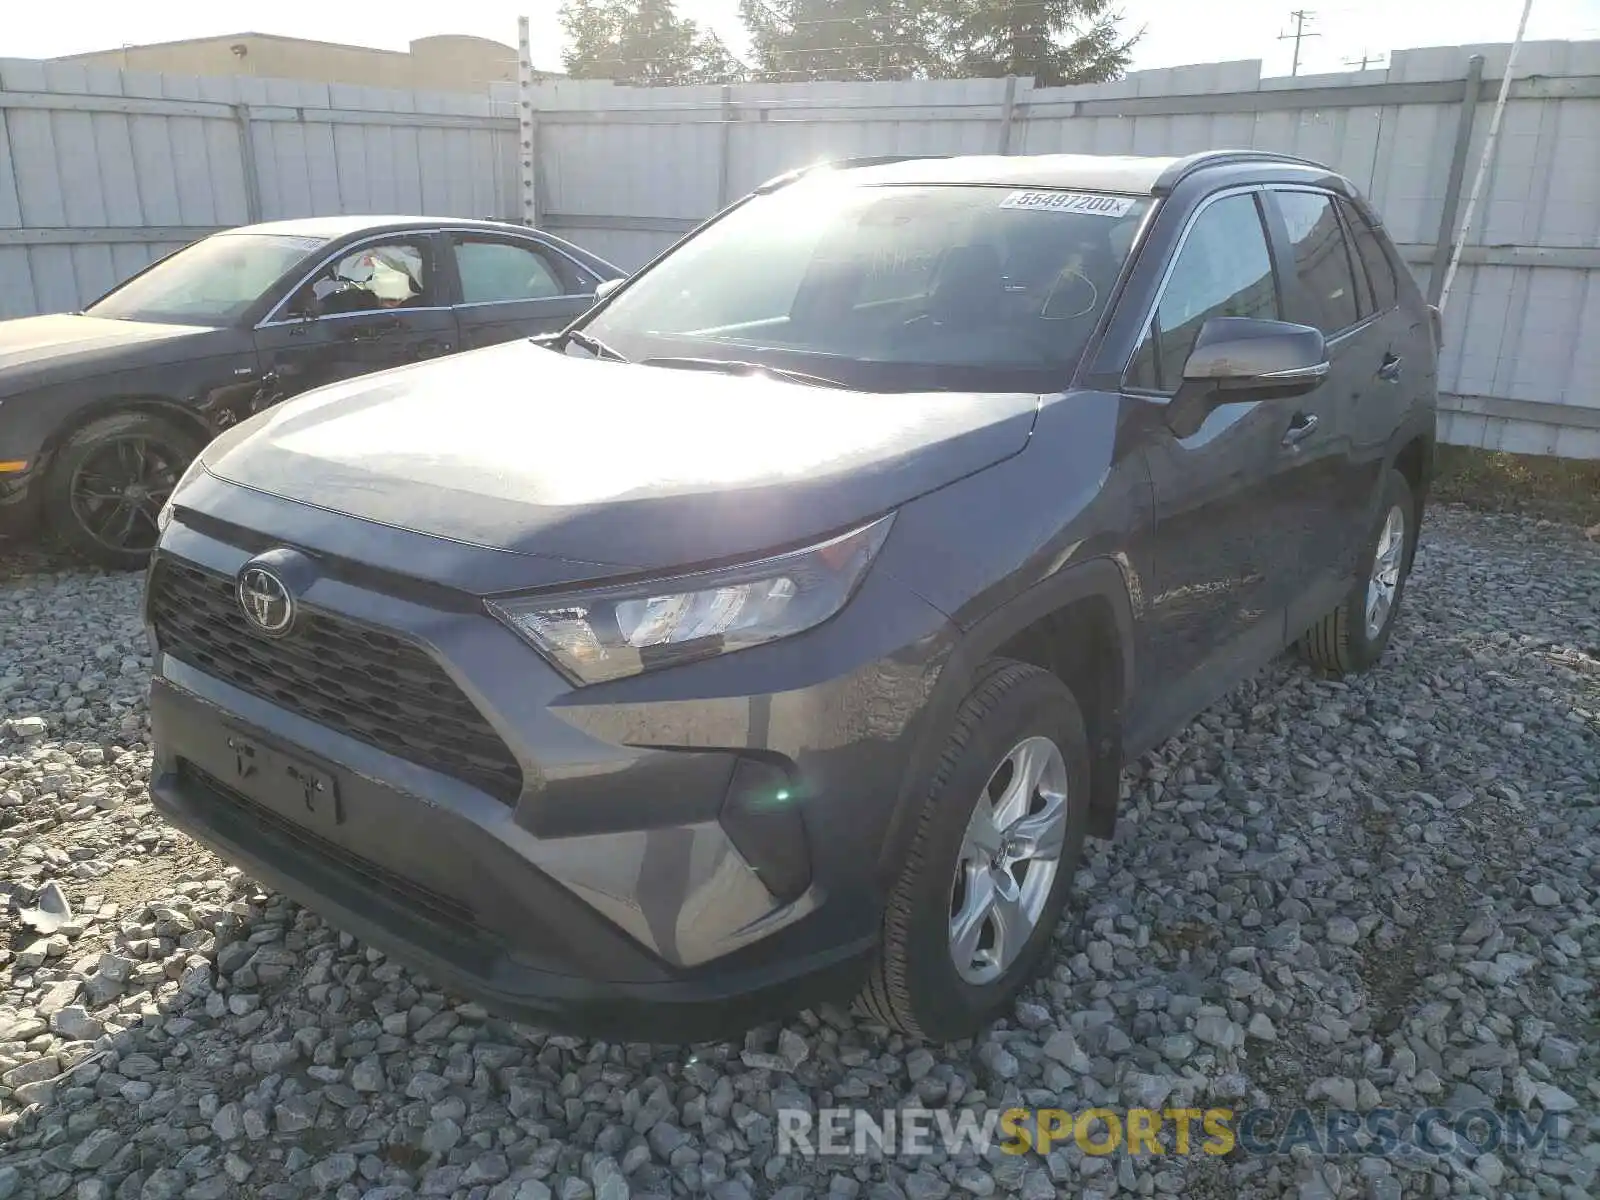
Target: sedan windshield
x,y
886,288
212,282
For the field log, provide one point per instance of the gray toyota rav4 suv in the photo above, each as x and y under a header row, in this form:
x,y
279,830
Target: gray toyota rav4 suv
x,y
777,632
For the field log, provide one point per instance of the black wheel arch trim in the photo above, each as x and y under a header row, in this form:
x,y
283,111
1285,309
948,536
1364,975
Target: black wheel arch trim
x,y
1095,579
1424,424
178,413
1420,424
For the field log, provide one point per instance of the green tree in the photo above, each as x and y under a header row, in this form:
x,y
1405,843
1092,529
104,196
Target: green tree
x,y
642,42
796,40
1055,41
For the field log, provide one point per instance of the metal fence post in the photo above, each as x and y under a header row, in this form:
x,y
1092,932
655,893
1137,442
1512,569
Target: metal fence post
x,y
725,148
247,160
1443,243
1007,113
528,127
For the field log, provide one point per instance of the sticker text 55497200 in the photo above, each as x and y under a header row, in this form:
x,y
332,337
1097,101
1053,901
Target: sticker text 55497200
x,y
1071,202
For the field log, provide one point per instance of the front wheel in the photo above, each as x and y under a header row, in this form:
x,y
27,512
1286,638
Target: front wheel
x,y
109,482
997,843
1354,636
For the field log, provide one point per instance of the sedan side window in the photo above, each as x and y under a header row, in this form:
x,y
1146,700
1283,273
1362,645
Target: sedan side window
x,y
495,272
368,279
1321,259
1223,269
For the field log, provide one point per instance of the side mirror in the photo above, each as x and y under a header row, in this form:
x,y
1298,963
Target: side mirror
x,y
1234,353
1243,358
605,288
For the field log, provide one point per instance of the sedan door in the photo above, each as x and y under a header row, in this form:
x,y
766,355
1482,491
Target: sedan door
x,y
371,306
515,287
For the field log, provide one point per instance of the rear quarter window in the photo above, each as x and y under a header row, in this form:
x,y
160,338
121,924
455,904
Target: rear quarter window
x,y
1370,250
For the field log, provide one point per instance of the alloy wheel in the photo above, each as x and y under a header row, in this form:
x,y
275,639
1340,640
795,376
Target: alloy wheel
x,y
1384,581
1008,860
119,488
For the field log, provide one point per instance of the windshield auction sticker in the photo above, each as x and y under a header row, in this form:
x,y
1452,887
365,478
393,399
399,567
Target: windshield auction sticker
x,y
1070,202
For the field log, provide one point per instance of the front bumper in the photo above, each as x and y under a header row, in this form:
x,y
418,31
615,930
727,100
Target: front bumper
x,y
689,853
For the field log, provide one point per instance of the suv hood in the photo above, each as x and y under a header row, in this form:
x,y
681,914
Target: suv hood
x,y
613,465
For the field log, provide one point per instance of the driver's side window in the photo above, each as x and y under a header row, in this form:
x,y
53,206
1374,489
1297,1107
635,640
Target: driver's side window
x,y
1222,270
370,278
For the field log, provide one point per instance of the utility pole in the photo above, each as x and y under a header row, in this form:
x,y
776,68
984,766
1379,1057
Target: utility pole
x,y
1301,16
1488,156
1361,63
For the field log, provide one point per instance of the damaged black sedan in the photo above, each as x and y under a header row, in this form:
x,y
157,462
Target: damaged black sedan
x,y
102,410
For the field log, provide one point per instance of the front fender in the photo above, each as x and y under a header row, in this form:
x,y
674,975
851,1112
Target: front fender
x,y
1102,578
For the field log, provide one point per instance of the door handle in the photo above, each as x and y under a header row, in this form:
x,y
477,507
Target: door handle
x,y
1304,426
1390,371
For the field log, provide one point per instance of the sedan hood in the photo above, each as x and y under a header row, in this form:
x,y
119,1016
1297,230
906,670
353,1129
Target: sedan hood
x,y
31,340
42,349
614,466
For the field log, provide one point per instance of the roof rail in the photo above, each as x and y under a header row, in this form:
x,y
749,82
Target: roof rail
x,y
839,164
1189,164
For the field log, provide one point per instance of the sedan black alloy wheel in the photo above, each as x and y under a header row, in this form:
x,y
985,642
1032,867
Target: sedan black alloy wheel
x,y
118,491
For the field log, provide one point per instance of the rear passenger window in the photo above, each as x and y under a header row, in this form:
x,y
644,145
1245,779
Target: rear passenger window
x,y
1369,248
1321,259
1223,269
494,272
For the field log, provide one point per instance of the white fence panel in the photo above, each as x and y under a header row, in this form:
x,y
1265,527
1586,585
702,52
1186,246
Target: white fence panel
x,y
100,171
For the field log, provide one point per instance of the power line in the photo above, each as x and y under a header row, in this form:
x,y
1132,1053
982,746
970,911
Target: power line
x,y
1361,63
608,59
1301,16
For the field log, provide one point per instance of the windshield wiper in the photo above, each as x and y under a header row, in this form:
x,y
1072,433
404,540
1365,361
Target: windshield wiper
x,y
733,366
592,344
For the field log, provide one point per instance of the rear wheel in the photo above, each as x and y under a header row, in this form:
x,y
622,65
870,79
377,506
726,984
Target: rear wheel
x,y
1354,636
991,863
108,483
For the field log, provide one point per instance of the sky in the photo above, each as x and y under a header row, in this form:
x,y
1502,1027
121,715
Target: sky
x,y
1177,31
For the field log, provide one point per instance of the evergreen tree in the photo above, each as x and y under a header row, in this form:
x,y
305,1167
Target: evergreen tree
x,y
1054,41
796,40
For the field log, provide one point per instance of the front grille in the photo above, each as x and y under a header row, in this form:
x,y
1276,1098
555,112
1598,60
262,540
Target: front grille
x,y
363,682
406,893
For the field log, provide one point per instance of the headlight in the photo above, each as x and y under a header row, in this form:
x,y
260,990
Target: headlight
x,y
607,633
164,517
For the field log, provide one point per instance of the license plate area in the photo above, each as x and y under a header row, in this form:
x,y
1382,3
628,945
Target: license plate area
x,y
299,790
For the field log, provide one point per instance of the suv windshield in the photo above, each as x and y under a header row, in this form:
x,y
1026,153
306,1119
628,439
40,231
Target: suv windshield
x,y
211,282
887,288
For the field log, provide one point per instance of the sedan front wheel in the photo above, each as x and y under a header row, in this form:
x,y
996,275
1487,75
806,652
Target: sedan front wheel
x,y
109,482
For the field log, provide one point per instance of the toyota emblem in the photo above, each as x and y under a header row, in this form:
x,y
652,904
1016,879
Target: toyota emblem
x,y
266,601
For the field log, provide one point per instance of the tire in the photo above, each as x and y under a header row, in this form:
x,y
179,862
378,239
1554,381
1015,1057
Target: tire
x,y
1343,642
128,445
915,986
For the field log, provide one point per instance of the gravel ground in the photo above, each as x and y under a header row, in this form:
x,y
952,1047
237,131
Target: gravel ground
x,y
1379,893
